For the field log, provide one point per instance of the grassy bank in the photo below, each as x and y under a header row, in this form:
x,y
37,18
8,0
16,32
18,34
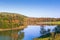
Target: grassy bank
x,y
46,37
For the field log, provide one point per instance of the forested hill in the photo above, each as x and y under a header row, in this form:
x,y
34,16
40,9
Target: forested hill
x,y
11,20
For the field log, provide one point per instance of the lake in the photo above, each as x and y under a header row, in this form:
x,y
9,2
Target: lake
x,y
28,33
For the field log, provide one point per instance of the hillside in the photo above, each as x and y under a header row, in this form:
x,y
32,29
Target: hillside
x,y
11,20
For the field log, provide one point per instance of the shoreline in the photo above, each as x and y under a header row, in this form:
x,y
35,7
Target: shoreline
x,y
17,28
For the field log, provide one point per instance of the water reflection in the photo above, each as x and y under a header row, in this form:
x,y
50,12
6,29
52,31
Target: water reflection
x,y
11,35
28,33
31,32
34,31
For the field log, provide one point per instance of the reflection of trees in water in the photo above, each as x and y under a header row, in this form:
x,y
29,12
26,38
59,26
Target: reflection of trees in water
x,y
21,36
13,35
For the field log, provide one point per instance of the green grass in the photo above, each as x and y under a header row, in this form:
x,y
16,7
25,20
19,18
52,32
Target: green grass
x,y
57,22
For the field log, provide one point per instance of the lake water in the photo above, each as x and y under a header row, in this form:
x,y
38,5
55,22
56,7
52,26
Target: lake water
x,y
29,33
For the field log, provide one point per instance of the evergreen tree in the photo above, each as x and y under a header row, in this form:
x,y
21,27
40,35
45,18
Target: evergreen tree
x,y
42,31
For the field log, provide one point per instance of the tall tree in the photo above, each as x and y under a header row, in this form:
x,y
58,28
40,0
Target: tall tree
x,y
42,31
48,30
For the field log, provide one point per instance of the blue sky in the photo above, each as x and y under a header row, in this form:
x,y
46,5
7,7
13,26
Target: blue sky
x,y
32,8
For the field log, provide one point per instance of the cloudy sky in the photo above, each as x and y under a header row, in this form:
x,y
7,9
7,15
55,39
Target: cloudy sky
x,y
32,8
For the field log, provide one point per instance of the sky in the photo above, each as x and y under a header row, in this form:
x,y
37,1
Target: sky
x,y
32,8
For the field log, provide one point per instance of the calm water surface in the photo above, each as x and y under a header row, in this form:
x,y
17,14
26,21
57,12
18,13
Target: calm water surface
x,y
27,34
